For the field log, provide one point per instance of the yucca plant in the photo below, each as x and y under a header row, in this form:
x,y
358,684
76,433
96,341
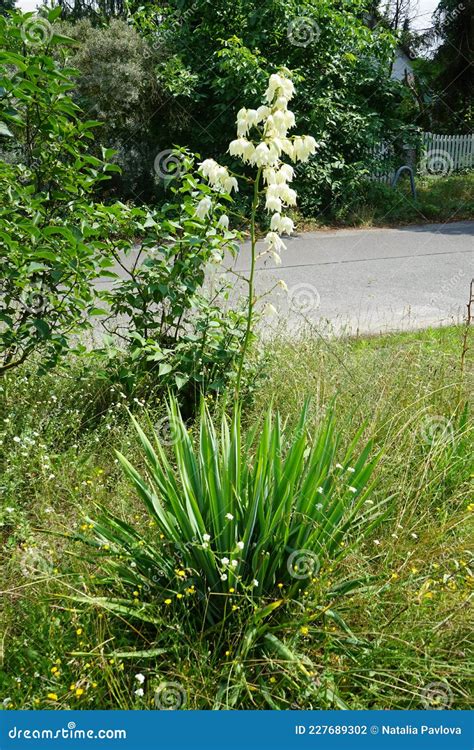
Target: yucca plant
x,y
239,518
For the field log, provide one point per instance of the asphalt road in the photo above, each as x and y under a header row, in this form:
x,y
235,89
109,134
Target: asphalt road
x,y
370,280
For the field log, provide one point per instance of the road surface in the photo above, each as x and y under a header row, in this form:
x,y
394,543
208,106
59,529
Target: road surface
x,y
370,280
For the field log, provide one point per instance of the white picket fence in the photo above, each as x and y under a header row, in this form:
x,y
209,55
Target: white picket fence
x,y
440,155
447,153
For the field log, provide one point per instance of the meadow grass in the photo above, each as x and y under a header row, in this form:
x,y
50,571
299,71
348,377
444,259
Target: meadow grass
x,y
381,644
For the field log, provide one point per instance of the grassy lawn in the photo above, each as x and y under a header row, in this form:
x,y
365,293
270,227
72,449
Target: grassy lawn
x,y
439,199
382,644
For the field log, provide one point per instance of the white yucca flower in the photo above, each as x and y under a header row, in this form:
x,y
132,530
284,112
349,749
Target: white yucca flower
x,y
262,140
203,208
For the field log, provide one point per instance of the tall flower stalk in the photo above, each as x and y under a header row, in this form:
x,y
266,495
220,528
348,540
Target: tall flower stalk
x,y
263,141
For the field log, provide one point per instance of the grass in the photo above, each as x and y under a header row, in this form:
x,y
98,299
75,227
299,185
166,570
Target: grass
x,y
382,644
439,199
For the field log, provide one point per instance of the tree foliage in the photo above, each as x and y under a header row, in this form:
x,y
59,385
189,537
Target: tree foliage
x,y
53,238
453,61
346,99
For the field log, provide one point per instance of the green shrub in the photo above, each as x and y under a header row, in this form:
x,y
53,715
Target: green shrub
x,y
168,325
121,81
54,240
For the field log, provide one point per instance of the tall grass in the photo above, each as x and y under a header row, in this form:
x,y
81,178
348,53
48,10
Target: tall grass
x,y
374,629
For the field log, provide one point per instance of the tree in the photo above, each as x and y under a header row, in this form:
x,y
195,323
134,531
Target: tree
x,y
6,5
453,61
96,10
346,99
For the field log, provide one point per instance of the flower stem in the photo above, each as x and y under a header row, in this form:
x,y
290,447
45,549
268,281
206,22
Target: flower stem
x,y
251,279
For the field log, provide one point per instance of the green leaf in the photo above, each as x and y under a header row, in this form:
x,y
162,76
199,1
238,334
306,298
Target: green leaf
x,y
4,130
165,368
42,327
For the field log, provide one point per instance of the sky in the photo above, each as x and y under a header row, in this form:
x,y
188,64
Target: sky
x,y
421,21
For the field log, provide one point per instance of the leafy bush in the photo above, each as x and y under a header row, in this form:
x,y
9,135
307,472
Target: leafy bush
x,y
169,326
54,239
235,524
137,90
